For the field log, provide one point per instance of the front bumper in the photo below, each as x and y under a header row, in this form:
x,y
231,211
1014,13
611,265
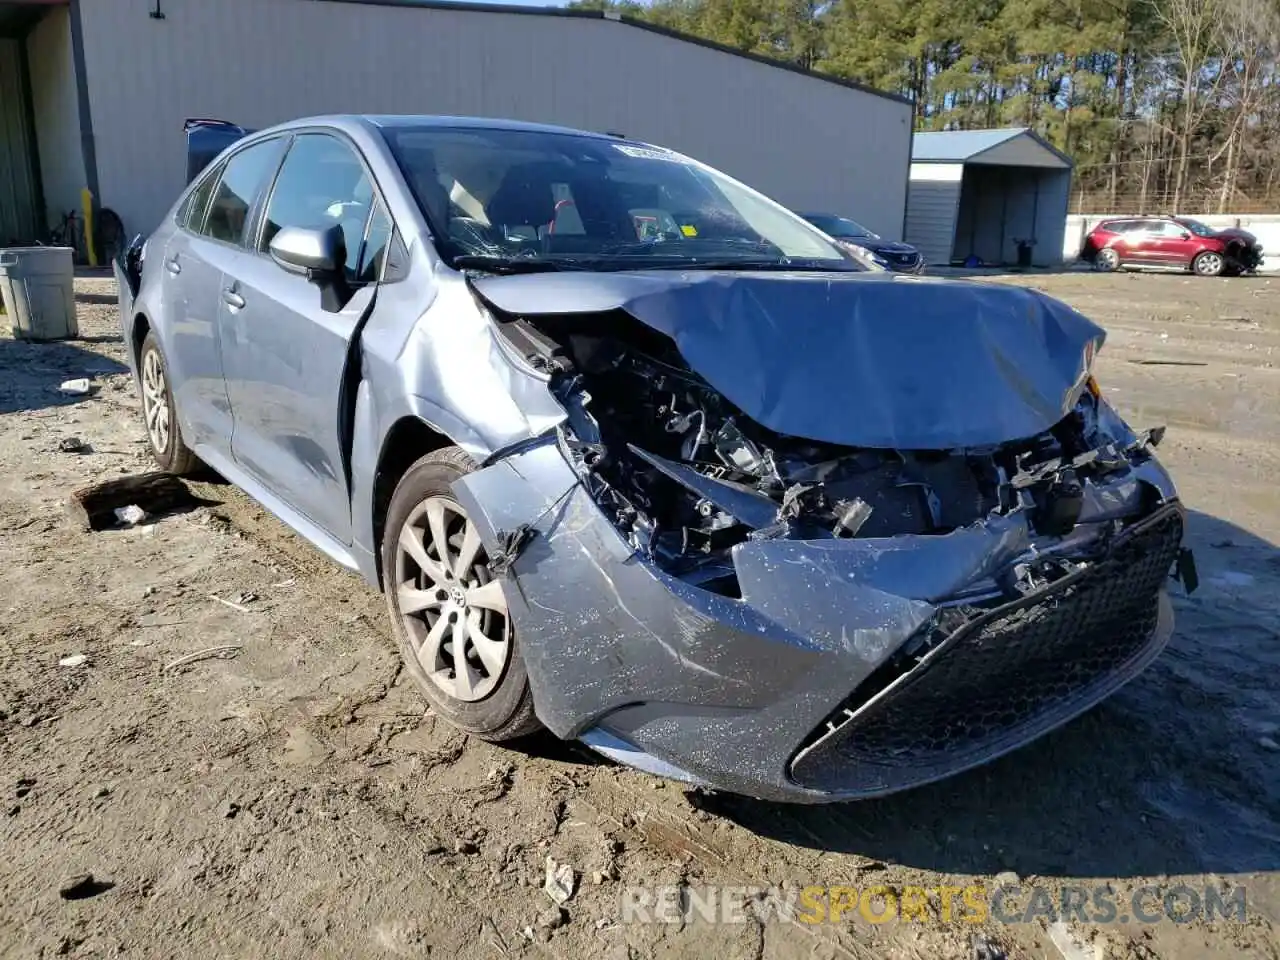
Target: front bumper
x,y
767,695
1245,258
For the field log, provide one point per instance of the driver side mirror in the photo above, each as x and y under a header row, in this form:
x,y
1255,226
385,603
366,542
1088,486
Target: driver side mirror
x,y
318,255
309,253
1185,235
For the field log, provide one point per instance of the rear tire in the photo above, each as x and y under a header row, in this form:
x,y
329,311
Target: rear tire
x,y
1208,264
160,414
440,596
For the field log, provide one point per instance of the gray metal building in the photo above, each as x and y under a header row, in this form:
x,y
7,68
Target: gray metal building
x,y
94,93
980,192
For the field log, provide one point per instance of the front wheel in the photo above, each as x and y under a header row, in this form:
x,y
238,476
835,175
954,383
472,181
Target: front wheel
x,y
448,611
1208,264
1107,260
164,436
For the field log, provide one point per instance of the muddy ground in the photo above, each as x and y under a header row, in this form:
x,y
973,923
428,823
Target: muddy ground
x,y
293,798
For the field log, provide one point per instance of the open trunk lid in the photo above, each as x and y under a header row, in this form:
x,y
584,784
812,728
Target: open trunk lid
x,y
206,139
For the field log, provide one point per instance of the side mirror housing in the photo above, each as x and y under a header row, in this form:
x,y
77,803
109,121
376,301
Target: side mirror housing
x,y
310,253
318,255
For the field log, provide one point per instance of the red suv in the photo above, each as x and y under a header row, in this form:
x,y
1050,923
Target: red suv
x,y
1171,243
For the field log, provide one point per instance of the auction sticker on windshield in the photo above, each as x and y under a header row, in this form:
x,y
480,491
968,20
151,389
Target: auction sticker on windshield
x,y
650,153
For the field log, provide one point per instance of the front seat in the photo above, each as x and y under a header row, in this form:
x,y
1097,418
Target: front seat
x,y
524,198
432,196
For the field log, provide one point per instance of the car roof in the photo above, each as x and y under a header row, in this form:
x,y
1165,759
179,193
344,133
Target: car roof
x,y
349,121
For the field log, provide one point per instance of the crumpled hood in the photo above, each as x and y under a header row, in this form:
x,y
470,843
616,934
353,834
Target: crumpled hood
x,y
866,360
1235,233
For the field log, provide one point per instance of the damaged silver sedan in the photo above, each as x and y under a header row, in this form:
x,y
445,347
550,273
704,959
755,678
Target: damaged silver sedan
x,y
638,455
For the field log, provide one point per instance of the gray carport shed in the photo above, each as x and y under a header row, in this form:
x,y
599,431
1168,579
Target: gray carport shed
x,y
985,193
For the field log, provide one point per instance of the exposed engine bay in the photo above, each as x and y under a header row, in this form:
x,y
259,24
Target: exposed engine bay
x,y
685,475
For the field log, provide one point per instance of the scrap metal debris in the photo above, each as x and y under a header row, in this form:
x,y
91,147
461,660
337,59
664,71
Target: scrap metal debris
x,y
72,445
78,387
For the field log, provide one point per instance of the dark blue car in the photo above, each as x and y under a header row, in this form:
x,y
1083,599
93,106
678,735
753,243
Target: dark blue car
x,y
887,254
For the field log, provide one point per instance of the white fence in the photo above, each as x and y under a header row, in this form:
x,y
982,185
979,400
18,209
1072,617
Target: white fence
x,y
1265,226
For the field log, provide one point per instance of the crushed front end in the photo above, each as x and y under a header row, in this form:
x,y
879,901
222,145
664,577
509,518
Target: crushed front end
x,y
709,598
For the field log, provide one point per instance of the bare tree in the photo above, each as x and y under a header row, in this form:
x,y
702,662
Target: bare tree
x,y
1193,29
1249,37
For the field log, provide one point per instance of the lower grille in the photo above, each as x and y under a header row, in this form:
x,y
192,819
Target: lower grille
x,y
1006,676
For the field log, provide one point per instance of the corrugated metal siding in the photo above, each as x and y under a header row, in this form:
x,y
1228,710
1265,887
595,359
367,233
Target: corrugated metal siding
x,y
932,205
999,206
17,185
1051,219
53,94
808,143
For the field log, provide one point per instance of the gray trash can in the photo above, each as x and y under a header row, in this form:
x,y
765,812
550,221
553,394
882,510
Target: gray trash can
x,y
37,285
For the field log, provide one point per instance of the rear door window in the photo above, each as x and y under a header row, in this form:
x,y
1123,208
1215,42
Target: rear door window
x,y
191,215
243,176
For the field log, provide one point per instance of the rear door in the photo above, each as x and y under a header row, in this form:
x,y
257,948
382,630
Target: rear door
x,y
211,228
1140,239
283,353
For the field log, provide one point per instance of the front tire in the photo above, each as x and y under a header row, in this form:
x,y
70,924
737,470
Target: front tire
x,y
1107,260
1208,264
164,436
444,603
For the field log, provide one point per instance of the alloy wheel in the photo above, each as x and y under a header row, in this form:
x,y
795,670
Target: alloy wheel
x,y
1209,264
453,610
1107,259
155,402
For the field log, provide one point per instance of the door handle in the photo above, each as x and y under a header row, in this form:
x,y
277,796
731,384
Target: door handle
x,y
232,299
173,266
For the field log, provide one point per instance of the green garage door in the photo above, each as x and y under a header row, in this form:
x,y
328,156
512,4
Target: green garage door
x,y
17,171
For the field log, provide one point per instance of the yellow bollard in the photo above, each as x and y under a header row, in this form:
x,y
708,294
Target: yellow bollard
x,y
86,202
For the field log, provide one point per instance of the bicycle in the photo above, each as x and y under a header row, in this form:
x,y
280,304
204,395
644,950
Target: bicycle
x,y
68,233
108,232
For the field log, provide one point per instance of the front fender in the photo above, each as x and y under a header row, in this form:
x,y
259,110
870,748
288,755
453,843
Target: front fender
x,y
374,418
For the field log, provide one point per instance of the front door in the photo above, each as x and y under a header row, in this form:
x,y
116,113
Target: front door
x,y
283,354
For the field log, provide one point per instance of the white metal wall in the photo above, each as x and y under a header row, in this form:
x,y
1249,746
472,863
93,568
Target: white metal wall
x,y
809,143
53,95
933,203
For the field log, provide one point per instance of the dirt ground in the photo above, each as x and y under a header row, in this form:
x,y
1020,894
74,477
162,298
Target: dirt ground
x,y
294,798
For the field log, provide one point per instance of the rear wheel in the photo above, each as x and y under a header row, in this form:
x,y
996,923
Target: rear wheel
x,y
164,436
1208,264
1107,259
448,611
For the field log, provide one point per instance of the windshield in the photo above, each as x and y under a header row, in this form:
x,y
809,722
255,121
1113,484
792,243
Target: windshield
x,y
526,199
840,226
1198,228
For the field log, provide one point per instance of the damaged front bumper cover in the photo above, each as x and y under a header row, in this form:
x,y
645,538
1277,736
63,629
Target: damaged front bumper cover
x,y
850,667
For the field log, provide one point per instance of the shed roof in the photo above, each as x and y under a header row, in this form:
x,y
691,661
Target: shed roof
x,y
1011,146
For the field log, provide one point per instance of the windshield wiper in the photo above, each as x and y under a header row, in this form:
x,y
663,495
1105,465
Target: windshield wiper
x,y
690,263
472,261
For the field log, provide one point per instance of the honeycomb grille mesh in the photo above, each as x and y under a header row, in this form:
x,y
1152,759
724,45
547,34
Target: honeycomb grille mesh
x,y
1006,671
